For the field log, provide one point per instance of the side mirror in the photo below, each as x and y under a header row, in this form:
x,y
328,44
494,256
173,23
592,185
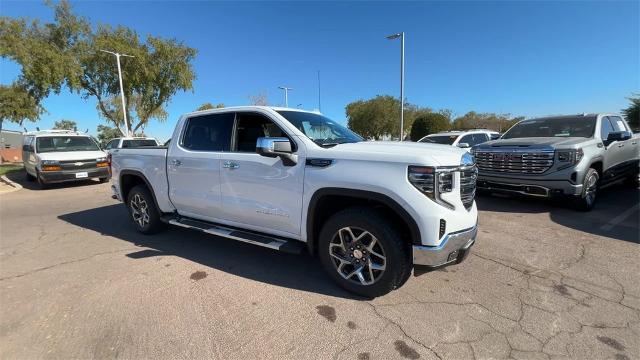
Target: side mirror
x,y
27,148
495,136
617,136
464,145
277,147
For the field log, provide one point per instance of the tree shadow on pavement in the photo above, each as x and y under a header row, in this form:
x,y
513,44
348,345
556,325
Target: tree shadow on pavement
x,y
20,177
301,272
616,214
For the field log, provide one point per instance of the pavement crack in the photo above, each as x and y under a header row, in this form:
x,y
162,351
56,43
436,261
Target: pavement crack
x,y
62,263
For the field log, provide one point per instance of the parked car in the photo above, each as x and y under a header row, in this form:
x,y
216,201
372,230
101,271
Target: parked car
x,y
54,156
280,178
462,139
130,142
560,156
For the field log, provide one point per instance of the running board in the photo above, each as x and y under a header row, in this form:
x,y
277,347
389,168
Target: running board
x,y
271,242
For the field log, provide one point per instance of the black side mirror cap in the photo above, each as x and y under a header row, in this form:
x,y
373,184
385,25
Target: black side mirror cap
x,y
617,136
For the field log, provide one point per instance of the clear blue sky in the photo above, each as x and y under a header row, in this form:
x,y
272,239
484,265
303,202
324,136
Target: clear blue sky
x,y
523,58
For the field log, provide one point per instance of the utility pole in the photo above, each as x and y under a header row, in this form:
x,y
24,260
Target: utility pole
x,y
319,107
286,94
124,108
401,37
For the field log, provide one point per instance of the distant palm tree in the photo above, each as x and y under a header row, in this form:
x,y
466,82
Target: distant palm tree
x,y
632,113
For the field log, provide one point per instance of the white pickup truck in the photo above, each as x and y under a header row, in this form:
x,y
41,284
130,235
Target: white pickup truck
x,y
282,178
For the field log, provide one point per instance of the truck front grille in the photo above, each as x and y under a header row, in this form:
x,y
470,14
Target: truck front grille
x,y
514,162
468,177
78,164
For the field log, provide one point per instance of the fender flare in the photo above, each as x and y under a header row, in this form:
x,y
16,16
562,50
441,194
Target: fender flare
x,y
139,174
363,195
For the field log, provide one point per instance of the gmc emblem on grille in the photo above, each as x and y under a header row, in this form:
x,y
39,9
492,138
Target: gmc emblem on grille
x,y
78,163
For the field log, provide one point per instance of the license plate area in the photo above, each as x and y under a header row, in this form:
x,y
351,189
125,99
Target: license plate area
x,y
81,175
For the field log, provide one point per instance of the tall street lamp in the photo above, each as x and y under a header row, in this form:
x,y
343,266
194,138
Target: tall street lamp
x,y
401,37
124,109
286,94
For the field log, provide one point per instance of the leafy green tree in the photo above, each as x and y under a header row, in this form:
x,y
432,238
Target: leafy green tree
x,y
65,125
474,120
632,113
208,106
106,133
17,105
66,53
380,117
429,123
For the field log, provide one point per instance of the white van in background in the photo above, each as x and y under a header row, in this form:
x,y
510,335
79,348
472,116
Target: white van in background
x,y
54,156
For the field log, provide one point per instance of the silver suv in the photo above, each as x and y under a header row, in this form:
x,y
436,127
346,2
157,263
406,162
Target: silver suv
x,y
560,156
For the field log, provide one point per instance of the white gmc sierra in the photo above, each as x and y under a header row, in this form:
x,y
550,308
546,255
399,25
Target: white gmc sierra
x,y
280,178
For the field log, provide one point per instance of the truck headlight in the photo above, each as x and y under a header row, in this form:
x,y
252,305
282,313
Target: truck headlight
x,y
570,156
432,182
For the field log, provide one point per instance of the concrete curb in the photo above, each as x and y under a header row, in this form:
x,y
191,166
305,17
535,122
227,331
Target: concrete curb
x,y
15,185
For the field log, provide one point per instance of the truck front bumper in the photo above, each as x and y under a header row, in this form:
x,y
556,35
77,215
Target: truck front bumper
x,y
529,187
453,249
70,175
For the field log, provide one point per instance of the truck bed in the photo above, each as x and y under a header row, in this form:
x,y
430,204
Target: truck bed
x,y
150,161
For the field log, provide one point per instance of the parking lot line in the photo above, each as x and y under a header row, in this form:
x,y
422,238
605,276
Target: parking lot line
x,y
620,218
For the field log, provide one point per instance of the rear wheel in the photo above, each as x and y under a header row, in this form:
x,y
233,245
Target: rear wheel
x,y
143,211
587,199
363,252
633,180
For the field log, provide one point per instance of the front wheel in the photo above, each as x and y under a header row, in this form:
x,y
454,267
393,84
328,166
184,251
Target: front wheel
x,y
143,211
363,252
587,199
42,183
103,180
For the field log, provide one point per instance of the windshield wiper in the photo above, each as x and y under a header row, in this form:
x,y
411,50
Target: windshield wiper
x,y
328,145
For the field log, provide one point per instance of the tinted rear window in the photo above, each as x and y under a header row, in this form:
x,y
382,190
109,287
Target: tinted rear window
x,y
440,139
138,143
209,132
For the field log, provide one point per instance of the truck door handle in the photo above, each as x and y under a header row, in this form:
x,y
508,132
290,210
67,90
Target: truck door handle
x,y
230,165
176,162
620,145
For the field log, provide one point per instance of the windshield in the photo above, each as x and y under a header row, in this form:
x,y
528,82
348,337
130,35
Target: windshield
x,y
553,127
65,143
440,139
322,130
138,143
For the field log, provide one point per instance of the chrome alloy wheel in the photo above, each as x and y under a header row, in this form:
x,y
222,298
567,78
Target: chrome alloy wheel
x,y
139,210
592,188
357,255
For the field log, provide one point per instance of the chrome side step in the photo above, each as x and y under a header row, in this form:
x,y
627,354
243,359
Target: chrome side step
x,y
268,241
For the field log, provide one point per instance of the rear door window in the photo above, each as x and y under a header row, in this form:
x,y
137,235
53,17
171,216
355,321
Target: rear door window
x,y
210,132
138,143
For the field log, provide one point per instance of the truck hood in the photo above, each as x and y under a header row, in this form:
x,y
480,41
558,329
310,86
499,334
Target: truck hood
x,y
71,155
533,143
396,151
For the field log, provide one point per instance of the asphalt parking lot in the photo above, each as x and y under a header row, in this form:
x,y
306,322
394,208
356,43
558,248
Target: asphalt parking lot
x,y
543,281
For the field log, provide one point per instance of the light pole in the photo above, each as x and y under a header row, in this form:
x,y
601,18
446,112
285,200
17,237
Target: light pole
x,y
393,37
124,109
286,94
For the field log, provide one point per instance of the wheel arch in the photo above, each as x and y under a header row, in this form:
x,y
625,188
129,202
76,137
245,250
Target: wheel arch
x,y
130,178
327,201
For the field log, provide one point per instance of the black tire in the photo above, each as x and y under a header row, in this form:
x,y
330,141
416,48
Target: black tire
x,y
29,177
103,180
140,198
633,180
587,199
397,265
41,182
